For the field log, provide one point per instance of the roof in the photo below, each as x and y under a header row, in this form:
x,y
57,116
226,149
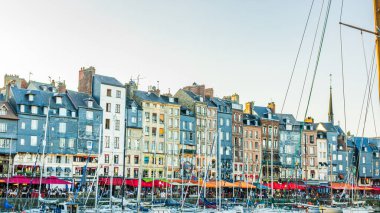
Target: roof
x,y
149,96
80,99
108,80
263,112
288,117
10,113
251,117
192,95
2,97
41,98
366,142
183,111
210,103
129,103
35,85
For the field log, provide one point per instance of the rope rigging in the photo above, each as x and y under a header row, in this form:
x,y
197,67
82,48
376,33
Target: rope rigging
x,y
310,56
319,55
298,52
342,67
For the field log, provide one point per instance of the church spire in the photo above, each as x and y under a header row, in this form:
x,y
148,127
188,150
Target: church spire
x,y
331,113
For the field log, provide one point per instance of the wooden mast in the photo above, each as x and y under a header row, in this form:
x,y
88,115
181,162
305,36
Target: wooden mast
x,y
376,7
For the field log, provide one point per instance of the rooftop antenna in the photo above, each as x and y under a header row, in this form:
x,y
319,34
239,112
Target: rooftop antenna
x,y
138,80
49,79
158,84
30,74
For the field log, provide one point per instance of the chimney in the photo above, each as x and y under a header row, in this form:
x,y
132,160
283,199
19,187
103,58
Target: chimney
x,y
235,98
85,79
153,89
8,89
309,120
62,87
249,107
272,106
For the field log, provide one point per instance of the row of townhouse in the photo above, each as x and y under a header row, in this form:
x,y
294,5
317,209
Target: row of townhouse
x,y
190,134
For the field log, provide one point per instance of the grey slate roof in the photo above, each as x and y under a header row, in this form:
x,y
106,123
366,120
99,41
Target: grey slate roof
x,y
150,96
192,95
41,98
108,80
263,112
35,85
10,112
129,103
289,117
80,99
184,109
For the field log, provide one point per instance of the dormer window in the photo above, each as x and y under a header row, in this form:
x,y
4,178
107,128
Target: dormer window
x,y
44,88
90,104
58,100
31,97
3,110
134,109
201,99
171,99
187,112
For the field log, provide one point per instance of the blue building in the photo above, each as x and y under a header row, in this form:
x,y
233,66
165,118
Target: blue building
x,y
224,126
188,142
368,164
134,134
8,136
290,142
89,123
32,107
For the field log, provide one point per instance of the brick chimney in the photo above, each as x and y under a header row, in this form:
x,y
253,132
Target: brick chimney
x,y
272,106
85,79
249,107
61,87
309,120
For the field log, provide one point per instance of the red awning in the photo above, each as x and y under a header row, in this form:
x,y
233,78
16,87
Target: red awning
x,y
55,180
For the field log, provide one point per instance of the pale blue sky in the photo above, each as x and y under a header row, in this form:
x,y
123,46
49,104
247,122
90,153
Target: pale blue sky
x,y
244,46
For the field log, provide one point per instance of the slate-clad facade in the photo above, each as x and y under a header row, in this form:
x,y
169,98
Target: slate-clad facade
x,y
90,116
8,136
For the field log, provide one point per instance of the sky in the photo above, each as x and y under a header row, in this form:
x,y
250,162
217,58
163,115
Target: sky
x,y
245,46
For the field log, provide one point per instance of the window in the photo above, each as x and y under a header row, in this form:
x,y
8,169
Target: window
x,y
107,140
106,158
89,115
89,145
62,112
3,110
116,142
62,142
147,116
363,159
58,100
73,114
62,128
227,122
71,143
34,110
90,104
22,141
34,125
108,123
264,143
109,92
364,170
340,167
334,157
118,94
133,119
88,129
108,107
162,118
33,140
45,109
22,108
117,125
340,157
221,121
116,159
190,126
3,127
227,136
117,110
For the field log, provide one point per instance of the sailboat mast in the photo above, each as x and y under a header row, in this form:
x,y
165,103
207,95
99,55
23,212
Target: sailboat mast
x,y
98,166
43,150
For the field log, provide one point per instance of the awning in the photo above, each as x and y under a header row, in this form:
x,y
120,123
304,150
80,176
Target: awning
x,y
245,185
58,169
67,169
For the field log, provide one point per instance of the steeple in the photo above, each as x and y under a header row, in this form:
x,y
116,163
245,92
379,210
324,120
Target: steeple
x,y
331,113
